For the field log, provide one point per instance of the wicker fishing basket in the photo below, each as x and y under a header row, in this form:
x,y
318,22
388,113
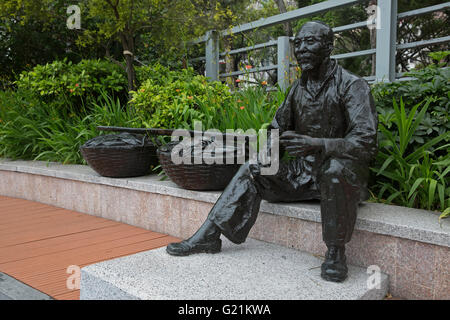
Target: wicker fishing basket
x,y
121,159
194,176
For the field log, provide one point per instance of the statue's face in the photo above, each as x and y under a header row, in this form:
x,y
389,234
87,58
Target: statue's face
x,y
311,49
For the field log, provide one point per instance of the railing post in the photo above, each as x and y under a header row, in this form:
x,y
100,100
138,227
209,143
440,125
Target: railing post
x,y
386,40
283,55
212,55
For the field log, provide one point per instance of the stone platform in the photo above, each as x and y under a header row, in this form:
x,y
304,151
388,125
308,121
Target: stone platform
x,y
409,245
255,270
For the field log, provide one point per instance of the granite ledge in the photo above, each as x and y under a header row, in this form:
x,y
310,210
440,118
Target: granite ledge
x,y
396,221
255,270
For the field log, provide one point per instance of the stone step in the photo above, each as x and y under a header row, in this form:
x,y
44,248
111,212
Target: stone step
x,y
254,270
12,289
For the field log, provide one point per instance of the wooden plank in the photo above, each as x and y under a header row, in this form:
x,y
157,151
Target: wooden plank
x,y
55,212
50,225
64,238
55,282
19,203
38,242
54,219
63,259
53,232
26,251
26,216
17,200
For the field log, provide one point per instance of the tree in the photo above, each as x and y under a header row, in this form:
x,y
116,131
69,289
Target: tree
x,y
222,15
287,25
116,26
127,20
165,24
31,34
433,25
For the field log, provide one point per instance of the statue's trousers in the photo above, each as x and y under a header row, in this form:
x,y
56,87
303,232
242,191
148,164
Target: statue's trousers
x,y
333,183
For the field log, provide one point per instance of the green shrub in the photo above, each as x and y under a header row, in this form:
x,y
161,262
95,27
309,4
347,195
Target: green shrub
x,y
412,177
174,99
249,108
168,99
33,129
161,74
76,83
432,83
412,166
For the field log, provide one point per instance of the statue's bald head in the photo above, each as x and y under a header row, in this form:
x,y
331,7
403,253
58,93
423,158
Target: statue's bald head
x,y
313,45
318,29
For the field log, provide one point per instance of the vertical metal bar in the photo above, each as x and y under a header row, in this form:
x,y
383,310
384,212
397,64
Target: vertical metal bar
x,y
283,62
212,55
386,40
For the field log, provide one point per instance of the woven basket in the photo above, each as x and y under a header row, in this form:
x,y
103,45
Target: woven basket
x,y
196,176
121,161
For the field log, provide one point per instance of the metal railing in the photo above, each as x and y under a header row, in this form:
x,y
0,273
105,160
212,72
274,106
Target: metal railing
x,y
385,51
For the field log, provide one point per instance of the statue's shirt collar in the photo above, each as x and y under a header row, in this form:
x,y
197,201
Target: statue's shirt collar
x,y
331,70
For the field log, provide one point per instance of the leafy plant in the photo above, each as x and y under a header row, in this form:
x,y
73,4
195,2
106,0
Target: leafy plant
x,y
444,214
175,99
433,83
413,177
33,129
250,108
439,56
170,99
77,83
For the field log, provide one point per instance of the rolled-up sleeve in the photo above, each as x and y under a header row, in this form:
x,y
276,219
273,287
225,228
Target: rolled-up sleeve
x,y
360,141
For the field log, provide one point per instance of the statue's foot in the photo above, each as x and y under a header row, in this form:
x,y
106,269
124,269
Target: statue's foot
x,y
334,268
185,248
206,239
334,274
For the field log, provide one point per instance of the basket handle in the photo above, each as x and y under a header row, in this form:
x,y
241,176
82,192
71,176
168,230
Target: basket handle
x,y
161,132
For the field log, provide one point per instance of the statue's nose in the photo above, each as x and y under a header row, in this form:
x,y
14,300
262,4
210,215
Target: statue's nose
x,y
301,48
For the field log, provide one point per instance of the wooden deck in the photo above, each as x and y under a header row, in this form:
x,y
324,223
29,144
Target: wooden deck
x,y
39,242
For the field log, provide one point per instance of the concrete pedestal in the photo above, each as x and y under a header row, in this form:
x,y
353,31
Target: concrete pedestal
x,y
253,270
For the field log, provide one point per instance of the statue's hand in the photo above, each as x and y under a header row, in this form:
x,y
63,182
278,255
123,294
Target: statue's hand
x,y
300,145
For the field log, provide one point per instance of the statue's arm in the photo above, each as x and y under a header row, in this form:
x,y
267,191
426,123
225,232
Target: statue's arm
x,y
360,141
283,119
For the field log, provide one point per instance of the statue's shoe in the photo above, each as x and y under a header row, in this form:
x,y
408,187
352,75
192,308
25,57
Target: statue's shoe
x,y
334,267
334,272
185,248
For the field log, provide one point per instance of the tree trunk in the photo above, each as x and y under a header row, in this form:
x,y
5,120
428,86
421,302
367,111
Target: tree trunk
x,y
287,25
128,52
229,62
127,40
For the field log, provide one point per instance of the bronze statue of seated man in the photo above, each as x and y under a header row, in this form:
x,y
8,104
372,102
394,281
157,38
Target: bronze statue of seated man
x,y
328,125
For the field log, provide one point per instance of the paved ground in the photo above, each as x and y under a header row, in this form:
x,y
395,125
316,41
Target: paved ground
x,y
39,243
13,289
